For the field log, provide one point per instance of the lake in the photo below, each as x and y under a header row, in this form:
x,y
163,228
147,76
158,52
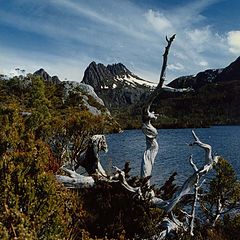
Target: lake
x,y
173,151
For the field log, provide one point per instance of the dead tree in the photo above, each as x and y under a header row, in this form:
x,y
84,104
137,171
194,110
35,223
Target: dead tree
x,y
148,129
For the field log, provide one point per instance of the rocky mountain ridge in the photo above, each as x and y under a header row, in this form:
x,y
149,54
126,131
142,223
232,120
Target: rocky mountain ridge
x,y
214,101
104,77
116,85
229,73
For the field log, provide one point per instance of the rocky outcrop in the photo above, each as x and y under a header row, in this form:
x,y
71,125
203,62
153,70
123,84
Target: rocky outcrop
x,y
118,69
98,76
85,92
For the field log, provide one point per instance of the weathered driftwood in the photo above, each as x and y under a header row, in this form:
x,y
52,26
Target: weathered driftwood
x,y
75,180
179,90
171,224
89,159
120,177
147,128
197,186
190,182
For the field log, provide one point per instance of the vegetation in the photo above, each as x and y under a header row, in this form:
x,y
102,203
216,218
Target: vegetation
x,y
38,124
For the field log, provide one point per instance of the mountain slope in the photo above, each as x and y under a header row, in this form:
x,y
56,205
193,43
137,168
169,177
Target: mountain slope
x,y
216,99
229,73
59,97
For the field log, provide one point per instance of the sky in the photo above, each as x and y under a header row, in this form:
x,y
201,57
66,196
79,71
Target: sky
x,y
64,36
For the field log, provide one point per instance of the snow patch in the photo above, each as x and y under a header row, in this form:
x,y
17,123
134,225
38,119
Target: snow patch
x,y
134,81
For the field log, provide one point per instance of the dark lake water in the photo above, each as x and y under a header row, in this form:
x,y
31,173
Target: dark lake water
x,y
173,151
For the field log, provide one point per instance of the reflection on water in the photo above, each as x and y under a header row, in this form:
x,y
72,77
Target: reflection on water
x,y
174,150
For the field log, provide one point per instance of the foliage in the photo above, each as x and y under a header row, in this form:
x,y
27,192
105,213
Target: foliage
x,y
33,116
112,211
33,204
224,191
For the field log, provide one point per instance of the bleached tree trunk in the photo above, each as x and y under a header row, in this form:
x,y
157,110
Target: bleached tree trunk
x,y
148,129
218,211
75,180
190,182
197,186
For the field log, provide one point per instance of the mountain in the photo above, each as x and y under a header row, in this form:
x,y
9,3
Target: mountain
x,y
116,85
196,81
41,72
215,100
229,73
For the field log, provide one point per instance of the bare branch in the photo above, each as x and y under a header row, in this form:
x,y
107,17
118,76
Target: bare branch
x,y
192,163
194,178
120,176
148,129
206,147
194,205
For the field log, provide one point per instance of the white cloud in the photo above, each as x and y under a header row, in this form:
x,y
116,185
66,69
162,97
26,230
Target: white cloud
x,y
158,21
203,63
177,66
104,18
233,38
199,37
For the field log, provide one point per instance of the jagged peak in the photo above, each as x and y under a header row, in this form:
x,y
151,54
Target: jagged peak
x,y
41,72
118,69
113,75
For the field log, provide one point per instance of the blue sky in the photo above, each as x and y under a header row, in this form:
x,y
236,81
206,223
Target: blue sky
x,y
64,36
